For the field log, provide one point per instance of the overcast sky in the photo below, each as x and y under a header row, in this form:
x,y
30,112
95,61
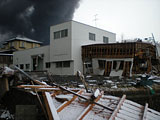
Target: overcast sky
x,y
130,18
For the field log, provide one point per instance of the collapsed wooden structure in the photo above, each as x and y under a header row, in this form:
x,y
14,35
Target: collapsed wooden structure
x,y
74,108
63,103
130,57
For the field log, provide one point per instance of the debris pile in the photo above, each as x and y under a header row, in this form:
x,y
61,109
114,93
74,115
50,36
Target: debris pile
x,y
48,100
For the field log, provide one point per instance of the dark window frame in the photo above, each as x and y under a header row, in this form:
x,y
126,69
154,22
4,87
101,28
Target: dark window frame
x,y
27,66
21,66
57,34
58,64
66,64
63,64
64,33
92,36
102,64
48,64
60,34
105,39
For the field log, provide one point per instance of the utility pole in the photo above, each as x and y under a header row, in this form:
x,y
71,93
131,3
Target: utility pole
x,y
95,19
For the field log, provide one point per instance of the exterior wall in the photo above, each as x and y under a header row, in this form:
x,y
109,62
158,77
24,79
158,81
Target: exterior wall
x,y
25,56
64,49
62,71
80,37
69,48
98,71
61,48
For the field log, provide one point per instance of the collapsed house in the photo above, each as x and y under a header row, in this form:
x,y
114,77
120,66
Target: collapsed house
x,y
117,59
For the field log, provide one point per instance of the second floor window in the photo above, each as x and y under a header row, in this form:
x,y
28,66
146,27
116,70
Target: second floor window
x,y
64,33
92,36
57,34
60,34
22,44
105,39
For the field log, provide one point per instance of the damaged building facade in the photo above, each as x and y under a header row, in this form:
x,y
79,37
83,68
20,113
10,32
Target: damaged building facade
x,y
76,46
119,59
63,55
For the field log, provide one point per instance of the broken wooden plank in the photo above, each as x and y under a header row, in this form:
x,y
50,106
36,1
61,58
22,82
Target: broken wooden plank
x,y
51,109
89,108
133,104
117,108
65,104
145,112
132,107
34,86
80,75
40,102
62,88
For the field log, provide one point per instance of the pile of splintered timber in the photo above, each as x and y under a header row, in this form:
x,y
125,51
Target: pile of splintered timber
x,y
75,104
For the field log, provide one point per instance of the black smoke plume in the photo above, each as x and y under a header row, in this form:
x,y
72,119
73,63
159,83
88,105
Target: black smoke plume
x,y
33,18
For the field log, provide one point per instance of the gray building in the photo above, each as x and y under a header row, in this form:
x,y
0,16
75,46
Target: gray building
x,y
63,55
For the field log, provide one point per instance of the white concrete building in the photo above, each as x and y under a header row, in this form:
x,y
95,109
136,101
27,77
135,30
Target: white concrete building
x,y
63,55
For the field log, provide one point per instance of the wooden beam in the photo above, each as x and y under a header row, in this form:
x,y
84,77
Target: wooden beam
x,y
65,104
69,91
145,112
34,86
51,109
117,108
62,88
89,108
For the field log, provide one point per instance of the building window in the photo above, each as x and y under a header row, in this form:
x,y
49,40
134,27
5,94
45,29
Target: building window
x,y
105,39
118,65
64,33
66,64
27,66
48,65
61,34
22,44
102,64
92,36
21,66
63,64
58,64
57,35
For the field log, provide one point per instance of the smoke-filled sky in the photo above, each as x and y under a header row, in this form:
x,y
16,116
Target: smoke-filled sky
x,y
127,18
33,18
